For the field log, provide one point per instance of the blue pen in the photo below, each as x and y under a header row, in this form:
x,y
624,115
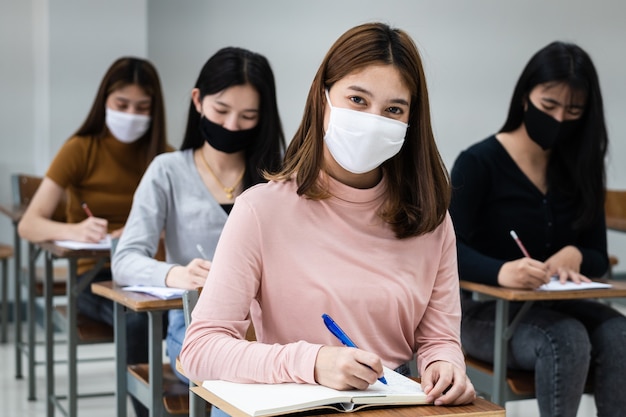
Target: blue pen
x,y
343,337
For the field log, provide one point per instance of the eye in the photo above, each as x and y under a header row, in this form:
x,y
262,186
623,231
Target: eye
x,y
357,100
249,116
395,110
575,112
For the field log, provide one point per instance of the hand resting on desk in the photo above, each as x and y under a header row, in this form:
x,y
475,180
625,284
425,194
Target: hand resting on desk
x,y
446,384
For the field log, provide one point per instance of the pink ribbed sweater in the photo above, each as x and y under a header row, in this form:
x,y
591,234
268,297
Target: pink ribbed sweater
x,y
293,259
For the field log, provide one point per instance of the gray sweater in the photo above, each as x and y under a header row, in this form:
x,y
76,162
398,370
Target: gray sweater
x,y
171,197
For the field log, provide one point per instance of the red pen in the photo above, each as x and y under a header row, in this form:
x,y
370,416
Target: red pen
x,y
86,208
519,243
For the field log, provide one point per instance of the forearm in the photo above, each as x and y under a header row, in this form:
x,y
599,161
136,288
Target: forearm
x,y
35,228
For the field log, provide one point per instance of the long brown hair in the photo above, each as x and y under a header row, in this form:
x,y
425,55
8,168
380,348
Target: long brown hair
x,y
418,186
130,71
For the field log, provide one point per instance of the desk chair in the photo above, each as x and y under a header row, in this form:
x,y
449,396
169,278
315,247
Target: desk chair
x,y
615,212
33,278
6,253
198,406
495,381
176,394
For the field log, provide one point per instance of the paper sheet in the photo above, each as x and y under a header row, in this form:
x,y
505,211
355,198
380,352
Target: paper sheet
x,y
164,293
555,285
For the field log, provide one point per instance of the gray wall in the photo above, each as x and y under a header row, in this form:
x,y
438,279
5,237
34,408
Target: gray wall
x,y
53,54
473,53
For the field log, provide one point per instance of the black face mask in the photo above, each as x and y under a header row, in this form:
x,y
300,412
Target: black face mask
x,y
546,131
224,140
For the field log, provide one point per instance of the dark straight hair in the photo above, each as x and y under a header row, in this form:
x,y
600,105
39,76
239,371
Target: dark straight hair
x,y
230,67
123,72
576,165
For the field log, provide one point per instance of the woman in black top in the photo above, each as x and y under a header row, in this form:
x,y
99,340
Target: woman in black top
x,y
543,176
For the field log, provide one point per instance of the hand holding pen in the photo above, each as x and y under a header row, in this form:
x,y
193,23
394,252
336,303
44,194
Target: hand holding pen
x,y
192,275
525,272
92,229
344,339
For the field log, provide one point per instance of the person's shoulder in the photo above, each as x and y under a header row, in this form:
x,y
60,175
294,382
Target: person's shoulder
x,y
79,142
487,145
75,149
267,192
171,159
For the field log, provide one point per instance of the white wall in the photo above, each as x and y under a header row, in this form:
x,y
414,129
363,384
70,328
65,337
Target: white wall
x,y
53,54
473,53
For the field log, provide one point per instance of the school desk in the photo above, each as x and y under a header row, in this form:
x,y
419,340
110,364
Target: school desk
x,y
504,329
68,323
479,408
152,394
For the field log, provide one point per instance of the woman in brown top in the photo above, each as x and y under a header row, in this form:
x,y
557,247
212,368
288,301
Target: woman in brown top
x,y
101,165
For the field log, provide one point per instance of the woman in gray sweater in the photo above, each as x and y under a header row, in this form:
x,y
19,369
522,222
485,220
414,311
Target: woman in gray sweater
x,y
233,135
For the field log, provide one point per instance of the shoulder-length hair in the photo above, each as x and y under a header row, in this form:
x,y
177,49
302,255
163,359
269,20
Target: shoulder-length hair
x,y
418,186
576,165
230,67
123,72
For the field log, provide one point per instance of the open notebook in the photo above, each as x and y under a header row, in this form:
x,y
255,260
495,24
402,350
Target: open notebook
x,y
72,244
165,293
258,400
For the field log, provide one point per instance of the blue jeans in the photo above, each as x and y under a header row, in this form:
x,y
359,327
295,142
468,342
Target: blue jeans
x,y
174,340
566,343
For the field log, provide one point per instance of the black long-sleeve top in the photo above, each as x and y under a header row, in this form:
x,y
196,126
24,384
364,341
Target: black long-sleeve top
x,y
491,196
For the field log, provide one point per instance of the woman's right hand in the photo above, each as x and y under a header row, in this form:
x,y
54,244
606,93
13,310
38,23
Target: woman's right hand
x,y
189,277
345,368
92,229
524,273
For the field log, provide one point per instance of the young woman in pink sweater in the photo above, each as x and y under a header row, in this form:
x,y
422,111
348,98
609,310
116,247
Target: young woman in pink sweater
x,y
355,225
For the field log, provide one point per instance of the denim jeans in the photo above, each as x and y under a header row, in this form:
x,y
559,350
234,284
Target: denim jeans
x,y
137,326
174,340
564,343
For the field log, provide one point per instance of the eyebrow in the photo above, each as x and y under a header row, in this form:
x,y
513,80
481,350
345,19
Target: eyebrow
x,y
127,100
571,106
221,103
364,91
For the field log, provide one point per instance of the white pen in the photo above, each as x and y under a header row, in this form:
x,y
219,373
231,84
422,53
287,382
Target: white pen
x,y
199,247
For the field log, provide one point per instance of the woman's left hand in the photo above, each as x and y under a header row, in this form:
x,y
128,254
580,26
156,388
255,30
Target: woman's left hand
x,y
447,384
566,265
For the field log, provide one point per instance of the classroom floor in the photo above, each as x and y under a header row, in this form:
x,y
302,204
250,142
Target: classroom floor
x,y
97,376
100,377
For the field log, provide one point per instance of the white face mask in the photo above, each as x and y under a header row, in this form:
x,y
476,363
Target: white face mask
x,y
127,127
361,141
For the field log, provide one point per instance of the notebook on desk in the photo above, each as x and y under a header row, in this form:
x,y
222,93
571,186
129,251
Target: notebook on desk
x,y
75,245
261,400
555,285
164,293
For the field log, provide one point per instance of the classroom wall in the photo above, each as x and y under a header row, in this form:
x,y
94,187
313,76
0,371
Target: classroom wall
x,y
53,54
473,52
